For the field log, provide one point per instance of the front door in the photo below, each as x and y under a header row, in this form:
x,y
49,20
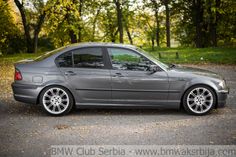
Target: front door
x,y
132,83
89,76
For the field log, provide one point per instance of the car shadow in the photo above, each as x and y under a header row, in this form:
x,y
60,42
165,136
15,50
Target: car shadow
x,y
125,111
17,108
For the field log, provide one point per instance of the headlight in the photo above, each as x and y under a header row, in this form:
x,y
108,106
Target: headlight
x,y
222,84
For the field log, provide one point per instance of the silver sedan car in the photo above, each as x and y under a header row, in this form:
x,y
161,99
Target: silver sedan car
x,y
114,75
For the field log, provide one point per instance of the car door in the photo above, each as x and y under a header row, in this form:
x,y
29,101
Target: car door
x,y
132,82
88,76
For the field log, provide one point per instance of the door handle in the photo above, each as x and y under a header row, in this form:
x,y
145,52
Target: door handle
x,y
70,73
118,75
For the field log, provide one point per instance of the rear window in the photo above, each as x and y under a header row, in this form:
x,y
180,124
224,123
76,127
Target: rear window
x,y
64,60
88,58
48,54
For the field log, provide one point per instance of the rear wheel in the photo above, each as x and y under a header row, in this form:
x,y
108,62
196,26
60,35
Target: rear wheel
x,y
56,100
199,100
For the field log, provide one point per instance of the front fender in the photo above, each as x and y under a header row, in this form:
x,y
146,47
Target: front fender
x,y
198,81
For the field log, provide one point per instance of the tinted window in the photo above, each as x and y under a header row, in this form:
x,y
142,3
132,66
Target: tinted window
x,y
124,59
64,60
88,58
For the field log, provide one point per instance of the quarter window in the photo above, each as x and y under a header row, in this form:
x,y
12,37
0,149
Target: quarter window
x,y
88,58
123,59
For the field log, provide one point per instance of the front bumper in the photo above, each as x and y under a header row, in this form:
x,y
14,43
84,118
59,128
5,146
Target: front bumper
x,y
222,96
25,93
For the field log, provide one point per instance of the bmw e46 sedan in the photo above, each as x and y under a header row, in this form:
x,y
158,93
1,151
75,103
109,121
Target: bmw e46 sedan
x,y
114,75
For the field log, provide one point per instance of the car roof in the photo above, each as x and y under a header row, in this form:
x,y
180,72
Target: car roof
x,y
94,44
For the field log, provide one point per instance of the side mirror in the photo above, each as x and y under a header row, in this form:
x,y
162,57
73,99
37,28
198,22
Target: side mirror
x,y
153,68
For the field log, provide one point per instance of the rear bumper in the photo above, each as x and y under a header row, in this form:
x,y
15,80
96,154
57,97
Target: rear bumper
x,y
222,96
25,93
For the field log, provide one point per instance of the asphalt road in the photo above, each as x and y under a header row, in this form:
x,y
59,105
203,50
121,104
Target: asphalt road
x,y
25,130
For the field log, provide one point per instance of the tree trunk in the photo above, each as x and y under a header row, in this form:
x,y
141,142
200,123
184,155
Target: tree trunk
x,y
198,22
37,30
153,43
119,19
94,24
217,16
129,35
80,14
211,24
128,32
72,37
29,43
157,32
35,43
157,29
167,23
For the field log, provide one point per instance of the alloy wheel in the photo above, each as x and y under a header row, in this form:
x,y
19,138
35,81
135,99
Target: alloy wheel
x,y
200,100
55,100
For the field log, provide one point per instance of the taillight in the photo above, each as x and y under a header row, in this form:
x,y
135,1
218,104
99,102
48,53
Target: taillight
x,y
18,75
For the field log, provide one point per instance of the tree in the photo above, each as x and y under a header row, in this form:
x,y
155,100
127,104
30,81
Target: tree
x,y
167,10
155,7
108,24
9,32
119,19
32,25
128,19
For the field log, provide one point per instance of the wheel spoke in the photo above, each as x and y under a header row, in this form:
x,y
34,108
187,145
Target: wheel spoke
x,y
59,108
208,100
49,105
57,92
64,99
198,91
61,104
46,101
190,99
203,91
49,96
192,104
54,108
201,108
194,95
204,104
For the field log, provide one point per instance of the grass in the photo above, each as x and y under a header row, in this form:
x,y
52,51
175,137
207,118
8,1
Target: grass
x,y
195,55
168,55
17,57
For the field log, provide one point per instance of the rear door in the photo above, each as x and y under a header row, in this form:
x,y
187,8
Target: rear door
x,y
132,83
89,75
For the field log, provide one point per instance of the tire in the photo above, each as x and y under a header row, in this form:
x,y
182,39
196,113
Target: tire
x,y
199,100
56,100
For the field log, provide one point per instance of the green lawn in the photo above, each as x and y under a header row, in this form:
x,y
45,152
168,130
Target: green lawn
x,y
16,57
168,55
195,55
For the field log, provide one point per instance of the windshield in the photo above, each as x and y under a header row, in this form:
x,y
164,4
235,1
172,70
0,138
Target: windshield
x,y
48,54
152,58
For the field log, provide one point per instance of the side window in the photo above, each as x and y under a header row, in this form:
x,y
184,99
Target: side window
x,y
123,59
64,60
88,58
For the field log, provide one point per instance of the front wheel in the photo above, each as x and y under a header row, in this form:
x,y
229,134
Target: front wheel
x,y
199,100
56,100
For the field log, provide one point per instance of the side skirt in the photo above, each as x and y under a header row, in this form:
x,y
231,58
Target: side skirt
x,y
168,105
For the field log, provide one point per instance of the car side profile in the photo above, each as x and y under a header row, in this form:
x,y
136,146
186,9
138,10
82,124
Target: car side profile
x,y
114,75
